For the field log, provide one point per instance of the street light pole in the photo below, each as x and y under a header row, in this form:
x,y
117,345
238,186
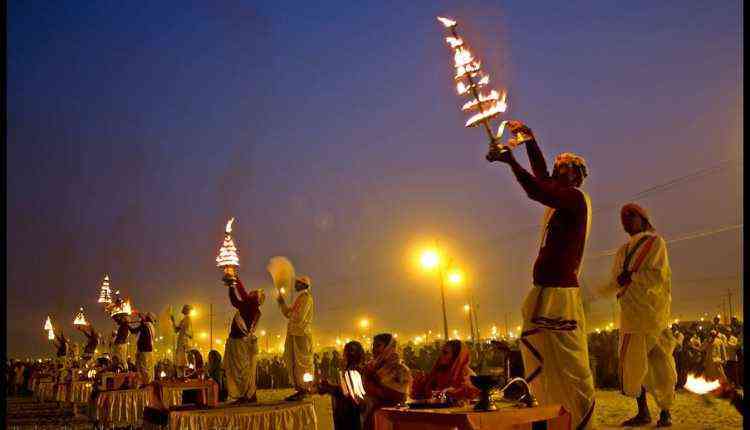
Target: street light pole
x,y
442,296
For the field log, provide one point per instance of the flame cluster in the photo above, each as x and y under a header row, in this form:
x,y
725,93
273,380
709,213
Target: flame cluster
x,y
105,293
700,385
80,318
121,307
228,251
470,80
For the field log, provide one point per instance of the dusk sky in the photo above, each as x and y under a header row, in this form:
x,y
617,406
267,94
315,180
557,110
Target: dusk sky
x,y
332,132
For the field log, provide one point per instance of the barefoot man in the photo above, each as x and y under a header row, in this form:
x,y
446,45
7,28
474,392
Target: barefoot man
x,y
555,350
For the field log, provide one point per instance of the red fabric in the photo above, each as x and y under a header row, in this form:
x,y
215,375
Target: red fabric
x,y
455,378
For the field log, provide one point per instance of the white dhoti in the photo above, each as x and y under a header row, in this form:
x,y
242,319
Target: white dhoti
x,y
120,350
240,364
180,355
298,356
144,363
646,360
555,351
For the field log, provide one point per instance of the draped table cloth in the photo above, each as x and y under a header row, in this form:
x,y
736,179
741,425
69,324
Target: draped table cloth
x,y
167,394
507,417
45,390
276,416
80,391
120,408
62,392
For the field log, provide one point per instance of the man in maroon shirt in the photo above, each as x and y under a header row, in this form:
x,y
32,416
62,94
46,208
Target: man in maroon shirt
x,y
555,352
241,350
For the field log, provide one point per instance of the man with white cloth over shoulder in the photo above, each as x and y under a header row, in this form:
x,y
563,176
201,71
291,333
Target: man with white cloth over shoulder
x,y
643,280
554,344
298,348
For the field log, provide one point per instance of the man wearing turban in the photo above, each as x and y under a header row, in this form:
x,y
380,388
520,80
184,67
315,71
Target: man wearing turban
x,y
555,350
184,336
298,352
642,279
144,362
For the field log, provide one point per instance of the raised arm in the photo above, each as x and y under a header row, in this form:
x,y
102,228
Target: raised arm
x,y
536,160
233,297
544,191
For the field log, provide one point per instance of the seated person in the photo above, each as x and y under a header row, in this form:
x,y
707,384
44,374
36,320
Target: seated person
x,y
450,375
195,368
346,408
386,378
215,371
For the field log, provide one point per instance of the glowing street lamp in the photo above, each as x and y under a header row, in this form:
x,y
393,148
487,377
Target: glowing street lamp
x,y
430,259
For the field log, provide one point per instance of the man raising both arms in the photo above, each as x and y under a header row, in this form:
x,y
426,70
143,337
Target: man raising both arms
x,y
555,352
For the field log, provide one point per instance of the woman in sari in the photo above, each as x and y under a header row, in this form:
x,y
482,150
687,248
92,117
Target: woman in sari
x,y
386,378
450,375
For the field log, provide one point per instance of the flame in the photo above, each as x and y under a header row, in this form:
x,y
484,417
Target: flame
x,y
91,374
495,109
700,385
307,377
472,68
462,88
80,318
105,294
471,104
462,57
51,335
454,42
48,324
122,308
228,251
447,22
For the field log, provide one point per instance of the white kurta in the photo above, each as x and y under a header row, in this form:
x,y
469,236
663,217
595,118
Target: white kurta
x,y
298,353
184,335
646,342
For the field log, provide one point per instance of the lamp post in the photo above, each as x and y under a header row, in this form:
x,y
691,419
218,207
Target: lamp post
x,y
431,259
468,310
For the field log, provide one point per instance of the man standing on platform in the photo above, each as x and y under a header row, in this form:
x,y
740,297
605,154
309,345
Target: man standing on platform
x,y
61,344
298,352
144,362
92,341
643,280
120,343
241,350
184,336
555,349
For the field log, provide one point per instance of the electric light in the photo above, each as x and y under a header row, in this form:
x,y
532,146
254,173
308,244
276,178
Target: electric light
x,y
429,259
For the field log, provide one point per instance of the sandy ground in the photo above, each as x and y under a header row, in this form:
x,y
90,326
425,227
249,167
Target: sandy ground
x,y
690,411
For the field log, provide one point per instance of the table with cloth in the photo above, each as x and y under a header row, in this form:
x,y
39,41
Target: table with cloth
x,y
62,392
506,417
80,391
119,408
270,416
45,390
166,394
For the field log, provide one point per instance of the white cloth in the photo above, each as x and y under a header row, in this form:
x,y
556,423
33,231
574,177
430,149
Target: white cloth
x,y
645,303
121,408
144,364
184,335
240,364
555,351
121,352
300,314
298,356
646,360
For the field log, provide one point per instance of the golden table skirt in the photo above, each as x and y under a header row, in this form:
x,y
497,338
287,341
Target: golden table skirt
x,y
277,416
120,408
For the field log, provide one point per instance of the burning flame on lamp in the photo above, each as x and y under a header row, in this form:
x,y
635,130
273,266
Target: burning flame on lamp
x,y
91,374
163,374
105,294
228,258
122,308
470,78
50,335
48,324
307,377
80,318
700,385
